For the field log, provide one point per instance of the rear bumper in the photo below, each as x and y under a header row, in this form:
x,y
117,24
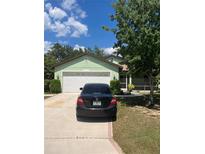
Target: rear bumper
x,y
96,112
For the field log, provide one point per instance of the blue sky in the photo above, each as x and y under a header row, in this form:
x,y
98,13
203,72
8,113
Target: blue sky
x,y
78,23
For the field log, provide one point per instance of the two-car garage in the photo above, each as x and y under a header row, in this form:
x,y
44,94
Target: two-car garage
x,y
76,72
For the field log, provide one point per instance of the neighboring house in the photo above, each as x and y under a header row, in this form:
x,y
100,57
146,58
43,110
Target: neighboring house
x,y
124,78
114,59
88,68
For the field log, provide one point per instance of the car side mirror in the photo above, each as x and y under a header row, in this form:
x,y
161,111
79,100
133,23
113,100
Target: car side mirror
x,y
81,88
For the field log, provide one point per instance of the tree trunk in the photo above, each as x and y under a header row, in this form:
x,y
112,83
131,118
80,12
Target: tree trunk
x,y
151,101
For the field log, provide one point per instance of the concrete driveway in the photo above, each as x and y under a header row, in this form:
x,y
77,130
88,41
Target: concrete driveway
x,y
65,135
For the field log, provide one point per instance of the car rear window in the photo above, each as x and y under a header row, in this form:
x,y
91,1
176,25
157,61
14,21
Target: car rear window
x,y
95,89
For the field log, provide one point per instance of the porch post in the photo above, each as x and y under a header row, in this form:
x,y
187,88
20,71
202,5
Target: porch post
x,y
126,81
130,77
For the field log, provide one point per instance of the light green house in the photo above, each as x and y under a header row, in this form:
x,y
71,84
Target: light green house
x,y
86,68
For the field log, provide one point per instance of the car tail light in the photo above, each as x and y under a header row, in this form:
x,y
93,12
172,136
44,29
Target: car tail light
x,y
80,101
113,101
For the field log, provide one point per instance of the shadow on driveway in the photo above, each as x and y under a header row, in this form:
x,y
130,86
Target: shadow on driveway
x,y
95,119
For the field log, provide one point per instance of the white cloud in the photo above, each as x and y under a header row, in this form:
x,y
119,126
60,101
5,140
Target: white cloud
x,y
47,46
61,29
77,47
54,19
69,4
48,6
63,42
109,50
57,13
77,27
81,13
47,21
74,8
56,26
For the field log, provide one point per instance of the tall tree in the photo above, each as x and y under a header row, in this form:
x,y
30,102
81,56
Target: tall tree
x,y
56,54
61,51
138,36
99,52
49,62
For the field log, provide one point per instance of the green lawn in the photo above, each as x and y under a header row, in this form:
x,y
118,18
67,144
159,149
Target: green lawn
x,y
136,132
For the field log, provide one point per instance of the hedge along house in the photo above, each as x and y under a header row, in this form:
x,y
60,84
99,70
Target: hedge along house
x,y
85,68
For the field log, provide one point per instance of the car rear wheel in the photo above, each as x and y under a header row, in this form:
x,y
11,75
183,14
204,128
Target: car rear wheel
x,y
114,118
78,118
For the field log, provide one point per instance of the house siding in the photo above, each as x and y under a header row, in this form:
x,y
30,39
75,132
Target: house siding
x,y
86,64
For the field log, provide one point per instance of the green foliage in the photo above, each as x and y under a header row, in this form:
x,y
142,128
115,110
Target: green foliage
x,y
60,51
46,85
130,87
55,86
115,87
99,52
158,83
49,62
138,36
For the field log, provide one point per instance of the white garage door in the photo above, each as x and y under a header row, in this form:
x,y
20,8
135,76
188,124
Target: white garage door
x,y
72,81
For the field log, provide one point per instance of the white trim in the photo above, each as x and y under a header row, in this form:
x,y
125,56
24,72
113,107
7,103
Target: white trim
x,y
130,78
126,82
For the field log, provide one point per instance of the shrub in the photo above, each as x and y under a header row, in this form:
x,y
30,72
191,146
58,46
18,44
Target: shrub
x,y
46,85
115,87
55,86
130,87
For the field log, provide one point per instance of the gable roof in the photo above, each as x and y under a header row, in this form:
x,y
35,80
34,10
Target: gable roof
x,y
68,59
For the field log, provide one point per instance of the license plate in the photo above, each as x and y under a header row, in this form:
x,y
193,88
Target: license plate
x,y
96,103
